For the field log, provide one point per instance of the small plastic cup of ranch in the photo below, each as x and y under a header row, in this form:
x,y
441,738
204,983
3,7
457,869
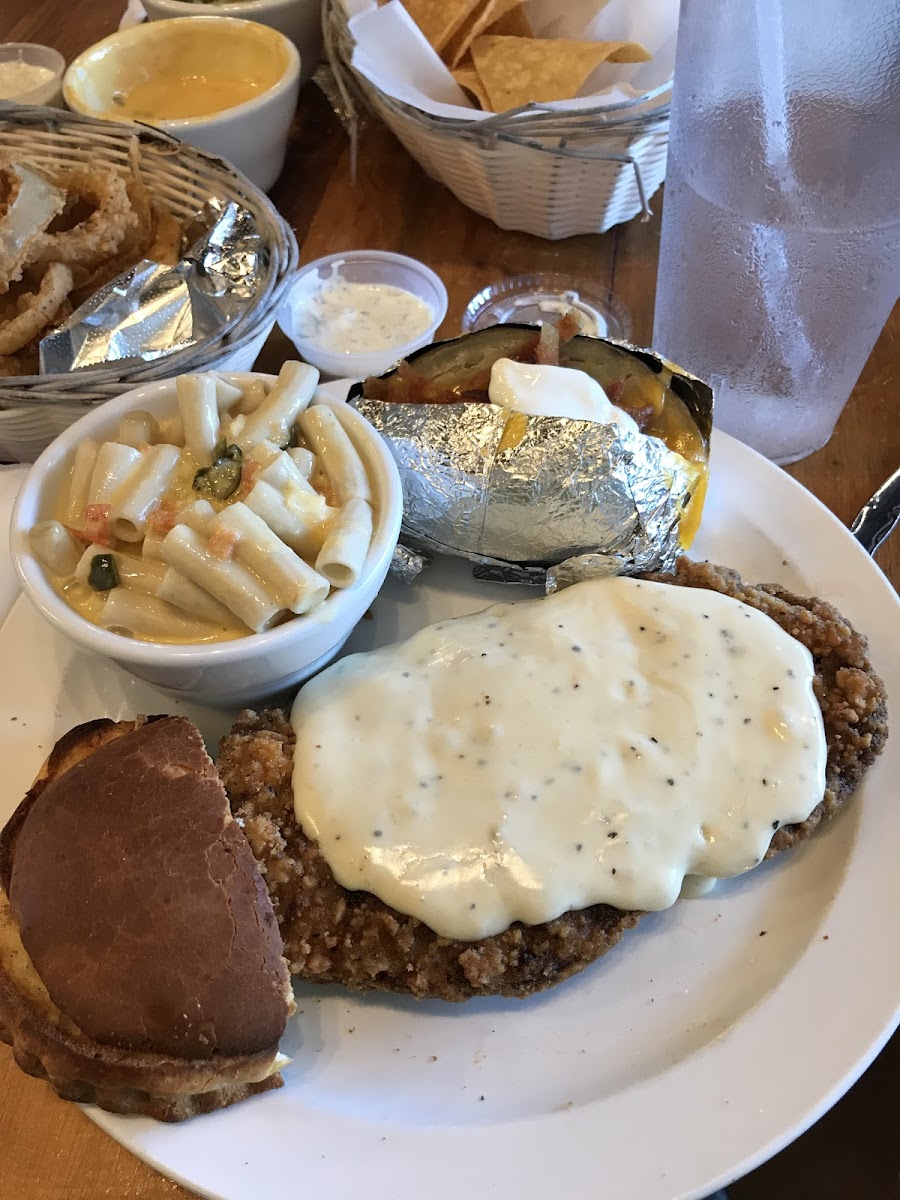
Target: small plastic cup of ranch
x,y
359,313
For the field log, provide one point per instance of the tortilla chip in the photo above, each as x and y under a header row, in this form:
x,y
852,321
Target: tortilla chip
x,y
514,23
470,81
439,20
516,71
474,26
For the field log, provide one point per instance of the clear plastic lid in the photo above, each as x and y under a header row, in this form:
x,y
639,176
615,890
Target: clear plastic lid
x,y
535,299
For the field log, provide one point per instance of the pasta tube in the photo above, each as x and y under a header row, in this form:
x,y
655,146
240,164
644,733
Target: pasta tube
x,y
132,503
199,414
228,582
275,417
231,430
113,467
138,428
298,526
139,575
135,615
55,547
337,454
304,460
151,547
171,432
79,483
285,574
227,394
344,552
177,589
262,454
253,395
282,474
198,516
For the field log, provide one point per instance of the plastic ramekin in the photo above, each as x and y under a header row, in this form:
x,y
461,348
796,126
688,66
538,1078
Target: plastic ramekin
x,y
363,266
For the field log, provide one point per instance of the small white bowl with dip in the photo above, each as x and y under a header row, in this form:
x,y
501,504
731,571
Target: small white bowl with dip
x,y
226,86
360,312
31,73
225,674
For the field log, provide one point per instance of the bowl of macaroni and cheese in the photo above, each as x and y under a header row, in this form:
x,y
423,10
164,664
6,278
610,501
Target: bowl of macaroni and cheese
x,y
217,535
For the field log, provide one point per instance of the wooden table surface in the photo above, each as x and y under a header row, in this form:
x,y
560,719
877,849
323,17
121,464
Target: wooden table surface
x,y
48,1149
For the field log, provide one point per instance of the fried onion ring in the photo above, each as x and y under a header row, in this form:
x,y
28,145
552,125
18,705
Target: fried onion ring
x,y
167,237
31,204
97,238
38,314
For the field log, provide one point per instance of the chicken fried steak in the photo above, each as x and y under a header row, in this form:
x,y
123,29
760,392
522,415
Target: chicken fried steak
x,y
333,935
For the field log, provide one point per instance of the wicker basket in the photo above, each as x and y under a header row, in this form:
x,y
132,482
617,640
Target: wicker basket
x,y
35,408
536,170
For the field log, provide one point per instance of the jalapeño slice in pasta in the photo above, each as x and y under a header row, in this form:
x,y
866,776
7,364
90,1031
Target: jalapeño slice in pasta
x,y
103,576
223,478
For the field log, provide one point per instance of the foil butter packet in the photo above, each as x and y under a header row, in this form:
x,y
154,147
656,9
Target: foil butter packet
x,y
152,309
544,500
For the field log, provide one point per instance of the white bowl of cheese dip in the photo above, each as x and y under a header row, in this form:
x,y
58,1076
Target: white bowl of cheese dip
x,y
360,312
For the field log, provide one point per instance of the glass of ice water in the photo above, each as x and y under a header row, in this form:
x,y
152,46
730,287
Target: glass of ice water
x,y
780,255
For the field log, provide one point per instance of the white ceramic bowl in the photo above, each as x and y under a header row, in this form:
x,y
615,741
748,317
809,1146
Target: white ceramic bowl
x,y
300,20
362,266
253,135
36,56
225,674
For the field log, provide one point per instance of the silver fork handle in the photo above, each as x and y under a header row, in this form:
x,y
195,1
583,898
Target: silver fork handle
x,y
878,517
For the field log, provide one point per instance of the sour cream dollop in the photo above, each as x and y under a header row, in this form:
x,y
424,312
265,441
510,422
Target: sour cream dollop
x,y
544,391
596,746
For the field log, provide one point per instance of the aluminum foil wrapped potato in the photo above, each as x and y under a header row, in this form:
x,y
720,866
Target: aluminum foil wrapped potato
x,y
502,487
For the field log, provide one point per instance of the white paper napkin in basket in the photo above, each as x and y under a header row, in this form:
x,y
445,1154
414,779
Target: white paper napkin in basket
x,y
134,14
392,53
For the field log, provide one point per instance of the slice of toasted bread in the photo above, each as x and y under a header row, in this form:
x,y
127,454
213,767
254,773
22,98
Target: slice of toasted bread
x,y
130,978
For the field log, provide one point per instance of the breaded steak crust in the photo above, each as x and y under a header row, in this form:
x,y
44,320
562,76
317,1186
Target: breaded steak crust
x,y
333,935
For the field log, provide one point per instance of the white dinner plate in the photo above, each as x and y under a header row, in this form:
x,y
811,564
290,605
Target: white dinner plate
x,y
713,1035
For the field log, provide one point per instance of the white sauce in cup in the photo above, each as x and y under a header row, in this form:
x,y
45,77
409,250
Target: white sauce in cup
x,y
342,317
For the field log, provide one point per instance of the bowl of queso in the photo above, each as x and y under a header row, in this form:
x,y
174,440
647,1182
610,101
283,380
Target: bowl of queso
x,y
300,20
217,535
224,85
357,314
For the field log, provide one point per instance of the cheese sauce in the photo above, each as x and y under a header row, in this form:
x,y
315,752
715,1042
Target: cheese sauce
x,y
177,97
358,318
593,747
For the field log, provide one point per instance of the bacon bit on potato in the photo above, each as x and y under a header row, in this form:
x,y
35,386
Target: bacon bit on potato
x,y
96,525
547,352
567,327
614,390
222,544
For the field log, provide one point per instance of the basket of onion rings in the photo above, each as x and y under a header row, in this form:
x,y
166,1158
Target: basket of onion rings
x,y
81,201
